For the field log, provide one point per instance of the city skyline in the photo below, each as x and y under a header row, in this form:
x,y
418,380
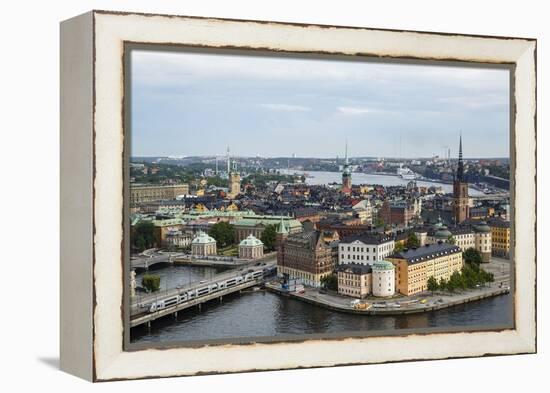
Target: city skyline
x,y
191,104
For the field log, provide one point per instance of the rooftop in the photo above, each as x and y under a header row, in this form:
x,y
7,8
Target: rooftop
x,y
368,238
354,268
427,252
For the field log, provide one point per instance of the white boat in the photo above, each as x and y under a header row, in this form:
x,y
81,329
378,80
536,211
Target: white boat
x,y
406,173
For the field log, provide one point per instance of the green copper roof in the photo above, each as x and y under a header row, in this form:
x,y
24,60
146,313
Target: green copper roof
x,y
383,265
203,238
251,241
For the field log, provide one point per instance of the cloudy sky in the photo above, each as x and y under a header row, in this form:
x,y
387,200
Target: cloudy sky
x,y
198,104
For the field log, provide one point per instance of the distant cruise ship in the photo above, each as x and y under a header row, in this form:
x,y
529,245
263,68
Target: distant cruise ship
x,y
406,173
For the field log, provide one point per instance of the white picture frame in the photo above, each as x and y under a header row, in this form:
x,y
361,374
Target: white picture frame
x,y
92,190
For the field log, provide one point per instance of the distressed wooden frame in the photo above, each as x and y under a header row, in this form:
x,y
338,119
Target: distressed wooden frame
x,y
92,157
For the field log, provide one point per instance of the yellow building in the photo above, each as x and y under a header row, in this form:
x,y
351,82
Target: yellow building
x,y
413,267
142,193
500,234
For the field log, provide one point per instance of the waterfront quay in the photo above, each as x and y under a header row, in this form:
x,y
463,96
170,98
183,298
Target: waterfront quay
x,y
396,306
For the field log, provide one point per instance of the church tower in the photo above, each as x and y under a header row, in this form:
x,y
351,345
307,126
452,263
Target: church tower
x,y
234,183
346,174
461,208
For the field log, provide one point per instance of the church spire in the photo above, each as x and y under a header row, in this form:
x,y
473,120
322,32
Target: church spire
x,y
460,168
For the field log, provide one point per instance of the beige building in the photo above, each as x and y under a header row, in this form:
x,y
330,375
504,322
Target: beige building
x,y
251,248
203,245
354,280
142,193
415,266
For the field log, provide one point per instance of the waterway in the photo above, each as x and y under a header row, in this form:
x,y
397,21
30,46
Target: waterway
x,y
324,178
261,314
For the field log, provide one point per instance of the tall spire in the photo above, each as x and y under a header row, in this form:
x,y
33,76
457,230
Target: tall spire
x,y
346,151
460,168
228,161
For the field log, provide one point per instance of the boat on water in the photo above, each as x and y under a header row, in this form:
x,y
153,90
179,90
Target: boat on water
x,y
406,174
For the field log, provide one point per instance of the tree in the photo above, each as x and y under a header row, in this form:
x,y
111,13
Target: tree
x,y
443,284
224,233
472,256
269,237
451,240
151,282
143,236
412,241
330,282
432,284
398,247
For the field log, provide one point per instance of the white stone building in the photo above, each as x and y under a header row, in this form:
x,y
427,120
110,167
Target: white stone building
x,y
365,249
203,245
251,248
383,279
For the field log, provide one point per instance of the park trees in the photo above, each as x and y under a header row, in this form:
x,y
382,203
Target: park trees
x,y
269,237
224,233
143,236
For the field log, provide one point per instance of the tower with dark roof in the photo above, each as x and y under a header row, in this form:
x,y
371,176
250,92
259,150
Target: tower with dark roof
x,y
461,207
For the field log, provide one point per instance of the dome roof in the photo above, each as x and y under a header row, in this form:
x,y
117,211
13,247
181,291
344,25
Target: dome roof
x,y
442,233
251,240
482,227
203,238
383,265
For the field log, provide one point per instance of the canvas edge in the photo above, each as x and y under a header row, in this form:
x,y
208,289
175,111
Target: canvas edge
x,y
76,196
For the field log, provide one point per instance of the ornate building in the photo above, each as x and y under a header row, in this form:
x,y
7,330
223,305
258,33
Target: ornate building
x,y
460,191
251,248
203,245
346,175
305,256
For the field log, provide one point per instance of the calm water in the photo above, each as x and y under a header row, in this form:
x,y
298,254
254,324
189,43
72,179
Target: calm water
x,y
323,178
261,313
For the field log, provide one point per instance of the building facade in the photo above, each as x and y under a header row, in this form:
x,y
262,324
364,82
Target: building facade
x,y
144,193
500,236
354,280
251,248
306,256
413,267
177,239
203,245
365,249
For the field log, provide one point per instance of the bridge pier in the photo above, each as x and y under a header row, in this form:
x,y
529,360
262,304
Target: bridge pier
x,y
148,327
220,298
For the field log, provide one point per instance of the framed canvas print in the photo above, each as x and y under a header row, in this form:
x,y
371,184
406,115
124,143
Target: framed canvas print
x,y
247,195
